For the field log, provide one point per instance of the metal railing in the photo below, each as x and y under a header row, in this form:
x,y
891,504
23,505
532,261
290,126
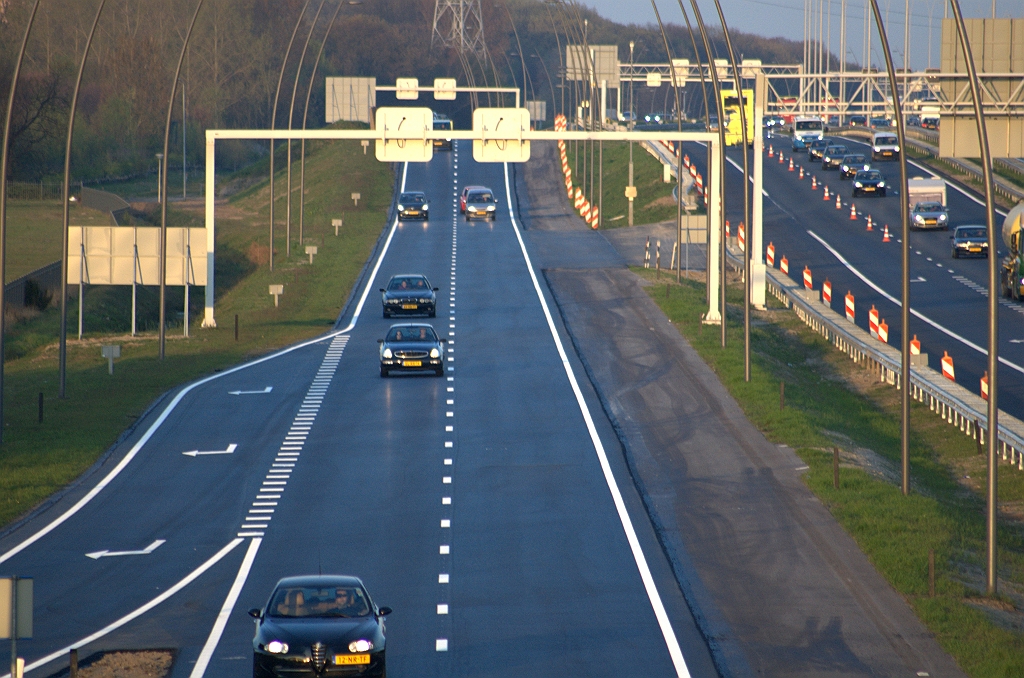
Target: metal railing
x,y
954,403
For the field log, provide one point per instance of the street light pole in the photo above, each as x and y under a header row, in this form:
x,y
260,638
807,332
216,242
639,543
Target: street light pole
x,y
632,123
163,187
63,352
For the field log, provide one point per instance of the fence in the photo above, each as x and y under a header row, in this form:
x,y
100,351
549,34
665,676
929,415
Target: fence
x,y
26,190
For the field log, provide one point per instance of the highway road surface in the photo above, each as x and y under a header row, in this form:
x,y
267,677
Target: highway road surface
x,y
491,507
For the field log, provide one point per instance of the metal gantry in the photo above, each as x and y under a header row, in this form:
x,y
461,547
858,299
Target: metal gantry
x,y
459,25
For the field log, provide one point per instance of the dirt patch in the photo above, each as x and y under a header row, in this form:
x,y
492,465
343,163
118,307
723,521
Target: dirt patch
x,y
127,664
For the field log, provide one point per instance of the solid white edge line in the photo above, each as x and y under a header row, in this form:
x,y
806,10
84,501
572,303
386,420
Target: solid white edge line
x,y
916,314
192,576
225,611
675,652
185,391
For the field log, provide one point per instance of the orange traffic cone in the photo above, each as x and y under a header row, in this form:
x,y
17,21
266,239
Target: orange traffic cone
x,y
839,203
771,151
885,234
814,183
791,164
853,212
801,172
827,197
870,225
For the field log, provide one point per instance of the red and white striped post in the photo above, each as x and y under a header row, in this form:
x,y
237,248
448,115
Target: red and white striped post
x,y
741,237
883,332
808,280
915,346
984,385
784,265
770,256
947,367
826,292
850,307
873,321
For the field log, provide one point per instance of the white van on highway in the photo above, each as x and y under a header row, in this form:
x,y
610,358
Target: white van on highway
x,y
805,130
885,146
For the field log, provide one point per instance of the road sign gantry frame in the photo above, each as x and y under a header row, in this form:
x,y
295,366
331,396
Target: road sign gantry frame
x,y
714,312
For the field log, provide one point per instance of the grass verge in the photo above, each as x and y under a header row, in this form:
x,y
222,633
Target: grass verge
x,y
830,402
37,459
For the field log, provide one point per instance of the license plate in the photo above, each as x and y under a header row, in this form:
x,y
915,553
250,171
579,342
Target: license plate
x,y
887,153
974,249
930,222
409,307
869,188
348,659
413,363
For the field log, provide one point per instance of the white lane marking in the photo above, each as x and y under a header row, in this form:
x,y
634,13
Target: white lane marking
x,y
192,576
441,645
446,501
226,609
445,549
96,555
443,578
442,608
446,480
268,389
917,314
199,453
447,462
674,651
446,523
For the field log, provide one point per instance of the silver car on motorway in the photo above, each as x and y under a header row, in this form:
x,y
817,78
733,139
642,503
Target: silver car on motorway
x,y
929,215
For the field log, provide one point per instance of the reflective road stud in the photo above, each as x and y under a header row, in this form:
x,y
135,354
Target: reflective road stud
x,y
826,292
947,367
808,281
850,308
771,255
784,265
883,332
873,321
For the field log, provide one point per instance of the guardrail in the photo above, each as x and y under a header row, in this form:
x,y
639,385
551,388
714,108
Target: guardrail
x,y
954,403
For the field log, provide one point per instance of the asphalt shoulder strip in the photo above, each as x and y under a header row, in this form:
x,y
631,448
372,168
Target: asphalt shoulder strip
x,y
776,584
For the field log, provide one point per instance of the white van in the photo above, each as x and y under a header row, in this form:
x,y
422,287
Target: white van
x,y
806,130
885,146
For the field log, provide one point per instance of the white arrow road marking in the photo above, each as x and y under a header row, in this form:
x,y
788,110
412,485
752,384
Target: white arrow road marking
x,y
196,453
266,390
96,555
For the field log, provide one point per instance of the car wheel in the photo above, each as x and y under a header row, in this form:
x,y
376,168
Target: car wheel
x,y
956,255
386,314
881,193
439,372
383,371
855,193
433,313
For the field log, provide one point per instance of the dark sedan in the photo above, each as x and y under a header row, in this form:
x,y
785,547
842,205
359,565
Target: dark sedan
x,y
481,204
868,182
816,149
968,241
413,205
411,348
852,164
409,294
832,157
322,625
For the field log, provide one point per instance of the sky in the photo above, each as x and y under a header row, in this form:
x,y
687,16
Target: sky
x,y
784,18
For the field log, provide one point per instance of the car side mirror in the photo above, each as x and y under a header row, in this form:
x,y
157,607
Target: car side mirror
x,y
255,613
825,130
384,611
382,289
437,289
380,341
443,340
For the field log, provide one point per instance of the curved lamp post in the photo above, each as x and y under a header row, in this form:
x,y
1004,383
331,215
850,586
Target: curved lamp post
x,y
163,188
4,152
63,360
291,113
273,124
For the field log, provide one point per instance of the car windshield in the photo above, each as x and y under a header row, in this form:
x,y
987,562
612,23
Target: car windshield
x,y
480,196
928,207
819,143
853,159
412,333
442,124
414,198
808,125
885,141
869,176
836,150
402,283
314,601
973,232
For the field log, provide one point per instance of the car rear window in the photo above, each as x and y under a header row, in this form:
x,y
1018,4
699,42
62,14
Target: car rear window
x,y
853,159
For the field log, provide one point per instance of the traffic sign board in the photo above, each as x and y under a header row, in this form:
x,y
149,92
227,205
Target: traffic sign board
x,y
501,135
405,137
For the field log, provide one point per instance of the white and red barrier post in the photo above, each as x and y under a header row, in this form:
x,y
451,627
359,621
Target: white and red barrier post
x,y
850,307
873,321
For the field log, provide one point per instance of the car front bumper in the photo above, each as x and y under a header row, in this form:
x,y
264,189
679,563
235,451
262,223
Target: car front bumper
x,y
414,214
410,308
275,666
